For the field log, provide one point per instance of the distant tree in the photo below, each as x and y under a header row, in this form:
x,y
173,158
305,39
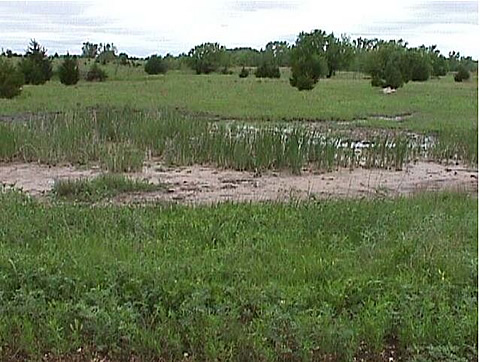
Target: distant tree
x,y
307,67
95,73
68,71
267,70
108,54
245,57
123,59
155,65
337,52
418,65
11,80
244,73
278,52
35,66
388,64
206,58
462,74
90,50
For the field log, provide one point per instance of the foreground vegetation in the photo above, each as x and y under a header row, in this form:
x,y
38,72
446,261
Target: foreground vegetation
x,y
333,279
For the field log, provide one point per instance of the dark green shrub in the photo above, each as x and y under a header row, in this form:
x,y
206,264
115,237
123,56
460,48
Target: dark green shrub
x,y
207,57
307,68
267,70
420,66
462,74
439,65
11,80
155,65
96,74
244,73
393,76
68,71
35,66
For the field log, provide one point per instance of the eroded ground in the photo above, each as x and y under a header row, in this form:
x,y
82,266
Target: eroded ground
x,y
203,184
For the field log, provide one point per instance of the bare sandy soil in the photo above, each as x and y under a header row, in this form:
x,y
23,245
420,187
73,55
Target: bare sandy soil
x,y
203,184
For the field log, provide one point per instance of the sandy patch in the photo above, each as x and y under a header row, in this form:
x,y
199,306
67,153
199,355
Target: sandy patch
x,y
202,184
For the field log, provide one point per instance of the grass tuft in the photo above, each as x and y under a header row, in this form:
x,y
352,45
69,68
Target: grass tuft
x,y
100,188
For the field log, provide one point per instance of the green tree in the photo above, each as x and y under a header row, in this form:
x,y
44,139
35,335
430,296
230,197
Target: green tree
x,y
207,57
338,53
155,65
267,70
307,67
11,80
388,64
462,74
95,73
278,52
90,50
68,71
35,66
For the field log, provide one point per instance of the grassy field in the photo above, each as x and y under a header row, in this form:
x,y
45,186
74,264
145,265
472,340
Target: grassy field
x,y
439,107
329,280
298,281
435,104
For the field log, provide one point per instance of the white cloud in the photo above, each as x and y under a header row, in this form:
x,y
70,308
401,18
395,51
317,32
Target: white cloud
x,y
147,27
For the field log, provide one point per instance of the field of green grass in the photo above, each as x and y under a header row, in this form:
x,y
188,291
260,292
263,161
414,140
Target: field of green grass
x,y
298,281
436,104
327,280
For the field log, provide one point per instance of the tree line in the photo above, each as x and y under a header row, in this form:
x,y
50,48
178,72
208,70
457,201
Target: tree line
x,y
314,55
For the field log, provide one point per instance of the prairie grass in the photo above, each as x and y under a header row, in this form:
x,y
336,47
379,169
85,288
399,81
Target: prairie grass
x,y
435,105
300,281
121,139
99,188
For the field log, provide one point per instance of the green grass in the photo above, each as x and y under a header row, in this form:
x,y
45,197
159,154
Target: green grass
x,y
296,281
99,188
120,139
436,104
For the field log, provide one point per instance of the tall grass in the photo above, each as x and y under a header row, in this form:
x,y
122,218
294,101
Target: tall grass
x,y
121,139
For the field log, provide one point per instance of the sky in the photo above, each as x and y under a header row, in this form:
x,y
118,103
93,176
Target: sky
x,y
141,28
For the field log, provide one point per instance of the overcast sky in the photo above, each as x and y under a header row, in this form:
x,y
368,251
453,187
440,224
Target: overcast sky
x,y
141,28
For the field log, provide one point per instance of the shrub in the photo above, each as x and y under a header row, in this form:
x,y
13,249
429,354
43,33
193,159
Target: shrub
x,y
267,70
462,74
155,65
307,68
393,76
244,73
36,67
207,57
68,71
420,66
11,80
96,74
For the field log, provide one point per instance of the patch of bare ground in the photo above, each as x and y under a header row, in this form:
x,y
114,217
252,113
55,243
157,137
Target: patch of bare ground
x,y
205,185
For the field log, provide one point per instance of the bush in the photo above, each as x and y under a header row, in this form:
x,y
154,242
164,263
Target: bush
x,y
68,71
36,67
267,70
420,66
207,57
244,73
393,76
307,68
11,80
155,65
96,74
462,74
